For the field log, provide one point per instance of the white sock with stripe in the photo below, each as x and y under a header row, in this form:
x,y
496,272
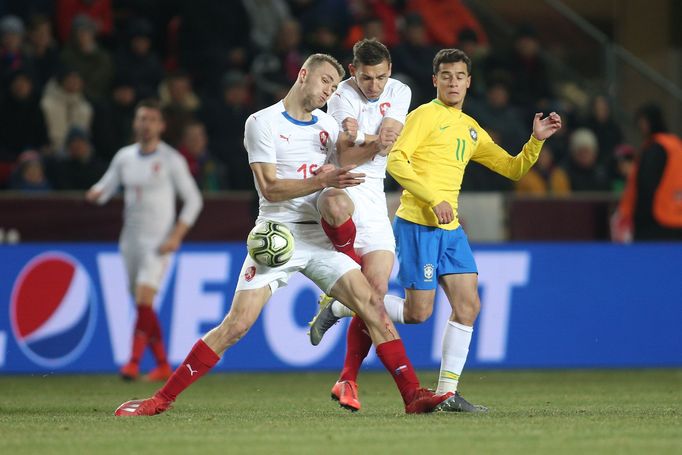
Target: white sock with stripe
x,y
456,341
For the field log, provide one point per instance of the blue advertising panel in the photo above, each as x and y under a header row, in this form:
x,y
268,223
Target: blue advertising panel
x,y
66,308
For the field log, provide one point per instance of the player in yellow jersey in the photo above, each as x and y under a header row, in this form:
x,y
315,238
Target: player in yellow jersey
x,y
428,160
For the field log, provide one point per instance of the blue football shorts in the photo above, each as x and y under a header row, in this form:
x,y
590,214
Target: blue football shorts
x,y
426,253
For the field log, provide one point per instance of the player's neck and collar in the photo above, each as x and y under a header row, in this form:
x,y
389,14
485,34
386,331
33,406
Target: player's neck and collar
x,y
294,110
148,147
453,108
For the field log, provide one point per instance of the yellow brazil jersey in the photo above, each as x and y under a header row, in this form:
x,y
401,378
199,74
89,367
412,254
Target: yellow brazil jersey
x,y
429,158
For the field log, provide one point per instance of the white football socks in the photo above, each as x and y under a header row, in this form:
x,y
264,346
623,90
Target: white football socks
x,y
394,307
456,340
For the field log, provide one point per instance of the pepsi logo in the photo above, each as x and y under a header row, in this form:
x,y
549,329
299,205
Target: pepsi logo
x,y
53,309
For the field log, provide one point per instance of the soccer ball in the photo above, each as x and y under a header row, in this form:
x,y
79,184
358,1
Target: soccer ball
x,y
270,243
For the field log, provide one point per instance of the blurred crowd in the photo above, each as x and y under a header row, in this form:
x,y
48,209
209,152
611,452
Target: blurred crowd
x,y
72,72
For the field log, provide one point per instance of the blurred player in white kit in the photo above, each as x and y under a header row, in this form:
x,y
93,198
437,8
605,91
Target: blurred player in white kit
x,y
152,174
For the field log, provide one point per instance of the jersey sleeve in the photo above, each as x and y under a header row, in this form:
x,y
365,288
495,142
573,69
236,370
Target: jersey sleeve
x,y
111,181
401,104
495,158
187,189
258,141
341,107
416,130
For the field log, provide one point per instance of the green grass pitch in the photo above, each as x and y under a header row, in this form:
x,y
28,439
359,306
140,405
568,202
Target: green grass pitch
x,y
547,412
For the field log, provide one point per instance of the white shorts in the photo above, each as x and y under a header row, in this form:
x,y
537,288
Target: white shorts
x,y
374,230
314,256
143,263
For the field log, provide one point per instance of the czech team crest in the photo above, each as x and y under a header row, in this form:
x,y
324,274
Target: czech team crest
x,y
53,309
384,107
324,137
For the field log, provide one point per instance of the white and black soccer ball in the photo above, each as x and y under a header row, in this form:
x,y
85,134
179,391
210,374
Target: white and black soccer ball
x,y
270,244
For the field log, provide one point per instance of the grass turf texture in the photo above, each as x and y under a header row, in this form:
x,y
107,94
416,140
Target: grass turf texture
x,y
615,411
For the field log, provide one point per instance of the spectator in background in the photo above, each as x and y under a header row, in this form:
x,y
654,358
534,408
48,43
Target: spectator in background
x,y
530,86
274,72
310,13
324,38
22,124
445,19
179,104
478,52
583,169
29,174
64,106
12,55
43,51
224,118
98,11
651,206
266,18
112,125
214,37
545,178
609,134
373,19
625,161
495,112
413,58
80,169
136,60
368,27
206,170
85,55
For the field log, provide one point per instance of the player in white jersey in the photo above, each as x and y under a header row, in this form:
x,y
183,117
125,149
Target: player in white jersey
x,y
370,107
288,145
151,173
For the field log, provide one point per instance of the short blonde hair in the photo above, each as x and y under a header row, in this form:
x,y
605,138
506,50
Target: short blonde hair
x,y
583,138
317,59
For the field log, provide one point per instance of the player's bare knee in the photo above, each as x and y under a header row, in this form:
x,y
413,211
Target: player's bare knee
x,y
337,207
417,315
467,312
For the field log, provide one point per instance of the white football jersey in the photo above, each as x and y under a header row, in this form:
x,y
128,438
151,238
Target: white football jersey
x,y
349,101
151,182
297,148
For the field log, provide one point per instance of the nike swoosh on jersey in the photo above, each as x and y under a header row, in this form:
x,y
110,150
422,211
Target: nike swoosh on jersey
x,y
443,128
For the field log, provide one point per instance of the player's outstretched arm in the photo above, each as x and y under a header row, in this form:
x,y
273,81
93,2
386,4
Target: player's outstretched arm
x,y
276,190
499,160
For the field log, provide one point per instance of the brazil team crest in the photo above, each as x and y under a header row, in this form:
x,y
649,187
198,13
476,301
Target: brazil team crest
x,y
473,134
428,272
